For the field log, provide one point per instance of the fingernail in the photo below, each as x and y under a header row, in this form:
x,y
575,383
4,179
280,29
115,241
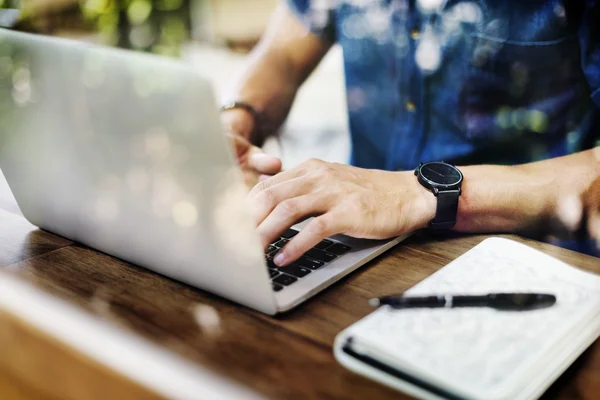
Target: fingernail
x,y
280,259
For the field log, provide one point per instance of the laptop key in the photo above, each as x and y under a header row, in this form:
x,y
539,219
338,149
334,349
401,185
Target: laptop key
x,y
323,244
290,233
320,255
296,270
273,273
308,263
270,249
285,280
281,243
277,239
276,287
338,249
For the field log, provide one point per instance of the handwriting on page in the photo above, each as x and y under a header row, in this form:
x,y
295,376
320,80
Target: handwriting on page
x,y
483,348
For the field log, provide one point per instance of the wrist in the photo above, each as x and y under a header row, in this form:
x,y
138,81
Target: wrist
x,y
442,183
428,205
239,122
423,202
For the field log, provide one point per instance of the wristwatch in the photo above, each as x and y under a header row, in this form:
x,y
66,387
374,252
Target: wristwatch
x,y
445,182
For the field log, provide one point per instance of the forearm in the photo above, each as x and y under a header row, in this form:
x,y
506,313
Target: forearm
x,y
517,198
277,67
269,85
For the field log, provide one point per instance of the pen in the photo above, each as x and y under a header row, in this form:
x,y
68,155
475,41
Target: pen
x,y
499,301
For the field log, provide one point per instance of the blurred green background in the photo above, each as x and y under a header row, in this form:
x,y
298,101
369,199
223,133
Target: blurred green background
x,y
157,26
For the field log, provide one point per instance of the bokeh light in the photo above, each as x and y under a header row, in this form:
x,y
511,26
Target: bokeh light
x,y
207,319
185,214
467,12
165,193
570,211
94,8
137,179
21,79
355,27
158,144
141,36
356,98
429,51
538,121
139,11
22,87
429,6
168,5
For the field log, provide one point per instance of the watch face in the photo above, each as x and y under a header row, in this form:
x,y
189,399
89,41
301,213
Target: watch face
x,y
441,174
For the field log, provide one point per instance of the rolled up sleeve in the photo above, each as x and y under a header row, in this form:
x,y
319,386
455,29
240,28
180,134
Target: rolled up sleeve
x,y
318,18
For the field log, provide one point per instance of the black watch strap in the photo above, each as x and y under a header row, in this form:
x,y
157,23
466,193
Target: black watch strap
x,y
447,208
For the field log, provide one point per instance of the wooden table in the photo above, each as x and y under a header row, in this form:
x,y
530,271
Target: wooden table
x,y
213,342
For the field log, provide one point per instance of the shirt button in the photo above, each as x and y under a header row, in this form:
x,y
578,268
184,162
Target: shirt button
x,y
410,106
415,34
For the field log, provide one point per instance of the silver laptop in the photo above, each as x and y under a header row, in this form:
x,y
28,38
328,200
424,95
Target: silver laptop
x,y
124,152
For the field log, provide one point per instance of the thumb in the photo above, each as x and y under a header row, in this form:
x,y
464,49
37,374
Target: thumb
x,y
263,163
240,144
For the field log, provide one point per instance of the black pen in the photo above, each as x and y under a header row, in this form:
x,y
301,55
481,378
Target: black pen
x,y
499,301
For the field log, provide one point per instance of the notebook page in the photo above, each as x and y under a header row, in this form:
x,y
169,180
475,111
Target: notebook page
x,y
481,349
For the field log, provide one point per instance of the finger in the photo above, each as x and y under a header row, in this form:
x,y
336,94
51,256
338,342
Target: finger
x,y
318,229
263,203
240,144
274,180
289,212
264,177
295,172
263,163
250,178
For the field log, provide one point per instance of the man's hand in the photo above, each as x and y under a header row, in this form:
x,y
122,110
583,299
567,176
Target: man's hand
x,y
370,204
286,55
253,161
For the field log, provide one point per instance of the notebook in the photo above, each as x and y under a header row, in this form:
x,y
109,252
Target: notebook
x,y
480,353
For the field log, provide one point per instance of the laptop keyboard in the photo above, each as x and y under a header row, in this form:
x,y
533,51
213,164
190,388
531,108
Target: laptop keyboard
x,y
320,255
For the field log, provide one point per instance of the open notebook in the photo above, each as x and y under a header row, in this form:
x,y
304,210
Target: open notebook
x,y
480,353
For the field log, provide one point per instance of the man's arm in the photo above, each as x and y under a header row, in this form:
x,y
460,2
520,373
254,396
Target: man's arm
x,y
519,198
376,204
286,55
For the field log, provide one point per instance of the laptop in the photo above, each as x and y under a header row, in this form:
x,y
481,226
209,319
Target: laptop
x,y
124,152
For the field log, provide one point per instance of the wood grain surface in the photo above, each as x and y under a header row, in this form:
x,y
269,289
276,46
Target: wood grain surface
x,y
19,240
36,366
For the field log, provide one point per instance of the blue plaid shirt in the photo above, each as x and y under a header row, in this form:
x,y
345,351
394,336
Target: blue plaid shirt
x,y
488,81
